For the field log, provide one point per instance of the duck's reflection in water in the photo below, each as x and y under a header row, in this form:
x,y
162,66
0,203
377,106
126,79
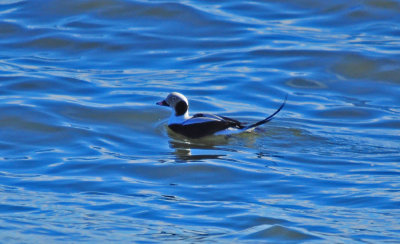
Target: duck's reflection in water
x,y
197,149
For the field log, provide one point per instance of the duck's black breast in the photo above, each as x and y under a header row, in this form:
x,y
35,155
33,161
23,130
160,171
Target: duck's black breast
x,y
204,124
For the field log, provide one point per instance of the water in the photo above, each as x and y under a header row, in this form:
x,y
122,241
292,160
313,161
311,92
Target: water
x,y
85,155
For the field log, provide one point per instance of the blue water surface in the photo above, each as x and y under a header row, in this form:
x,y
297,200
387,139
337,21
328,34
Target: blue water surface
x,y
85,154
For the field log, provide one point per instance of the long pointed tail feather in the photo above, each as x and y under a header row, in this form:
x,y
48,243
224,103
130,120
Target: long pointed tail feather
x,y
269,118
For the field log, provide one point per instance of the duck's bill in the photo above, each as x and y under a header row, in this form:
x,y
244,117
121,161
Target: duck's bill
x,y
162,103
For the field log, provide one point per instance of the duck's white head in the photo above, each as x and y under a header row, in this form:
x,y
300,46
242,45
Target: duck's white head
x,y
178,102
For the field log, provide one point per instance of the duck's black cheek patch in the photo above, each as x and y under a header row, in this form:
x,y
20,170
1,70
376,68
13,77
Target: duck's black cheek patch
x,y
181,108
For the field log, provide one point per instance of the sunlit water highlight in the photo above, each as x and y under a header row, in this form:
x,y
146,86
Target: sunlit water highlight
x,y
85,155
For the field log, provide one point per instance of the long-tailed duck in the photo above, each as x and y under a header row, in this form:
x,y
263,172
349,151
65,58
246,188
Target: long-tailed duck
x,y
201,124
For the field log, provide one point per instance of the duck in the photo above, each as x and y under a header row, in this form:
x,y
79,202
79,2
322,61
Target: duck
x,y
203,124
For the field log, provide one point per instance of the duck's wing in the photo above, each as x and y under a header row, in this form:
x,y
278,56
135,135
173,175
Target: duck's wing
x,y
204,118
204,124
